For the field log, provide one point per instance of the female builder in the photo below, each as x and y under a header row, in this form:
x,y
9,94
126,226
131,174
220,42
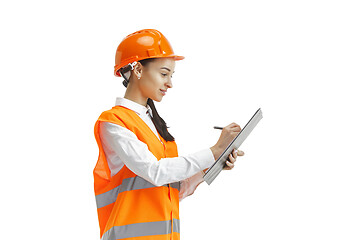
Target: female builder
x,y
139,178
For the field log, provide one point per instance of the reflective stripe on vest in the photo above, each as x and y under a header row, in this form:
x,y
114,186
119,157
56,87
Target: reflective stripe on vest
x,y
127,184
141,229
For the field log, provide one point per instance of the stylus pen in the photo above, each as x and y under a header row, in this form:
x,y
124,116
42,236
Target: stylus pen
x,y
218,127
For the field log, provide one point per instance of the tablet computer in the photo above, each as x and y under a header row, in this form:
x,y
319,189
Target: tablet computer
x,y
220,163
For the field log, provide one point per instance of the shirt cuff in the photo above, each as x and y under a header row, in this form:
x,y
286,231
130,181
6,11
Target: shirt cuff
x,y
206,158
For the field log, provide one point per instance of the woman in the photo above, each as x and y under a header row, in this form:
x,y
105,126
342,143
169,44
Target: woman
x,y
139,177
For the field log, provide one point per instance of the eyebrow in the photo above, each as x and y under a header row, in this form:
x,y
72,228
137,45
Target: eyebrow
x,y
166,69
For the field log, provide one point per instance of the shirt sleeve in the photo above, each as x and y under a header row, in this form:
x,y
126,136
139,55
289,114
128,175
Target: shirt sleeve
x,y
132,152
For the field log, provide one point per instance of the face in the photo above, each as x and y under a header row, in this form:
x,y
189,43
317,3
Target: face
x,y
156,78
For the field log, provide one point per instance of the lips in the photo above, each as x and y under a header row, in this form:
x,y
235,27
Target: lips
x,y
163,91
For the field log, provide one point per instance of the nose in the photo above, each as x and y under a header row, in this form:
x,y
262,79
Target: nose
x,y
169,83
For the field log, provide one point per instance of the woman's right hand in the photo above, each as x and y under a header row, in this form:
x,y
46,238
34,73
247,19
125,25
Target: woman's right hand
x,y
228,134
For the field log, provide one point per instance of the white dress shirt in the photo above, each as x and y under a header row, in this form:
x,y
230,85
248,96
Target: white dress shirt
x,y
121,146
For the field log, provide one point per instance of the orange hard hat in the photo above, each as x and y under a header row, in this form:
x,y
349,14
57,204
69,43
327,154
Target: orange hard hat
x,y
143,44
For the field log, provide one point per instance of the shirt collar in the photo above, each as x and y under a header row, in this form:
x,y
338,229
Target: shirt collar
x,y
136,107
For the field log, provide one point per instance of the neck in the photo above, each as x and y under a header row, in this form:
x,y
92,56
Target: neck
x,y
135,95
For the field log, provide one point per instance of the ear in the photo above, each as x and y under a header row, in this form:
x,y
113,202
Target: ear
x,y
138,69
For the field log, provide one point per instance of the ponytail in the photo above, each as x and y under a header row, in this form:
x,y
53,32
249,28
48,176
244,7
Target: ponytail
x,y
159,123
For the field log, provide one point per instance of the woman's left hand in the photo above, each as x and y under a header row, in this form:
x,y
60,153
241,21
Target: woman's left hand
x,y
232,156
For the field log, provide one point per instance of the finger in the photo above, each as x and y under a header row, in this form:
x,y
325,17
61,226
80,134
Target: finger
x,y
240,153
230,165
231,158
234,154
232,124
234,127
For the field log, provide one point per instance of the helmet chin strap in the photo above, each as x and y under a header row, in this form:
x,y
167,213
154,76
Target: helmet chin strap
x,y
132,64
126,71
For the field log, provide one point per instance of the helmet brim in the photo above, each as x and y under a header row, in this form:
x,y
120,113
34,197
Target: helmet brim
x,y
178,58
175,57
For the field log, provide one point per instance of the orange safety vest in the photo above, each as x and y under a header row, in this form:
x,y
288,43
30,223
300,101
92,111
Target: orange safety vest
x,y
129,206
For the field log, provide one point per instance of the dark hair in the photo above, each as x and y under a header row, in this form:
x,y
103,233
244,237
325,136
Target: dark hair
x,y
159,123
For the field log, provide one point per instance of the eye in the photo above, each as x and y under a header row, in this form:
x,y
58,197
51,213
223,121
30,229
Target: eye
x,y
164,74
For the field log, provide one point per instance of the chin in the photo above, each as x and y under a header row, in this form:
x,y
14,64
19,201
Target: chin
x,y
157,99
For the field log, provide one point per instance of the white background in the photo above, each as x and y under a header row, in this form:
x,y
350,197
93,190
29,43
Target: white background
x,y
297,60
